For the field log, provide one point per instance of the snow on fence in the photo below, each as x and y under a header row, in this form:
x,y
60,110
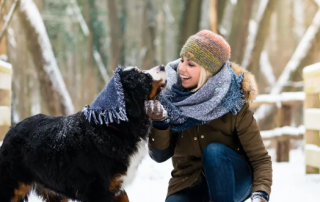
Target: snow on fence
x,y
5,97
281,136
311,76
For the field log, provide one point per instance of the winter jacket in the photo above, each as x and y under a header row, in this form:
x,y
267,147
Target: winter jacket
x,y
186,147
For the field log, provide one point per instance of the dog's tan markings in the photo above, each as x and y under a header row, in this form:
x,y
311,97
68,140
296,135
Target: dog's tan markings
x,y
21,192
122,197
155,87
116,183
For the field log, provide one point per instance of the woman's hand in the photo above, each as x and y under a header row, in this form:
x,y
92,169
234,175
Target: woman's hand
x,y
258,197
155,110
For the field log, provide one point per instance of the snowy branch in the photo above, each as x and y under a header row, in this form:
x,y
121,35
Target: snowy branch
x,y
253,31
266,68
80,18
8,18
101,66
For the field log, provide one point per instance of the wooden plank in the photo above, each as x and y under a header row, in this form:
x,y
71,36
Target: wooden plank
x,y
3,131
5,118
311,75
312,137
311,119
312,154
312,101
5,97
5,81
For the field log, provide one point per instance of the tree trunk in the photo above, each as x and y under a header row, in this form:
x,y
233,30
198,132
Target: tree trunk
x,y
115,33
239,30
191,20
262,34
53,90
148,36
220,10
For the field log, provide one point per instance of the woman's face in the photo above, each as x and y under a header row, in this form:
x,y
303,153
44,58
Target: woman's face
x,y
189,72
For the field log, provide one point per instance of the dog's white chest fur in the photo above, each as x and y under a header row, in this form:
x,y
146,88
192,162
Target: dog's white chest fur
x,y
134,162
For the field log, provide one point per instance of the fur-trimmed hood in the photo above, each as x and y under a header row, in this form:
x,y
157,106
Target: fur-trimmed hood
x,y
249,84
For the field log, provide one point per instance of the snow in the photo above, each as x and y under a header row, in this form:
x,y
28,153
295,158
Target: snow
x,y
286,130
51,67
5,65
312,147
314,111
311,68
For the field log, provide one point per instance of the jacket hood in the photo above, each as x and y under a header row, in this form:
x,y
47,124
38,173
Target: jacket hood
x,y
249,84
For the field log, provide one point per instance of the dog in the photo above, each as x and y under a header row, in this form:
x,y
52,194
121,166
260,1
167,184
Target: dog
x,y
89,156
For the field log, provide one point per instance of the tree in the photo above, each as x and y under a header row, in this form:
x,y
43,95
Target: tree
x,y
53,90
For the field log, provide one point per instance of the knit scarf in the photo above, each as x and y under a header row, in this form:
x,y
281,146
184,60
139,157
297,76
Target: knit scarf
x,y
110,105
220,95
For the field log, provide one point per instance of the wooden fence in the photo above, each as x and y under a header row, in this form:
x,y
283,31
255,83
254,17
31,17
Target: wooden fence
x,y
5,98
311,75
283,134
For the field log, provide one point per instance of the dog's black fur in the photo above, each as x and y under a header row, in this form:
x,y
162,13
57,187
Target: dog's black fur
x,y
70,156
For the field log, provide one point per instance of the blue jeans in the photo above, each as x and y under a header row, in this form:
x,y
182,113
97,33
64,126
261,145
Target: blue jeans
x,y
228,178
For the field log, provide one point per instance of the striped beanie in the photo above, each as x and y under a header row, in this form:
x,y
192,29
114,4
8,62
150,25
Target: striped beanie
x,y
209,50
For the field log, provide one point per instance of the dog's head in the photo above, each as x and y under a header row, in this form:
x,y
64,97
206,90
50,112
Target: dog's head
x,y
140,86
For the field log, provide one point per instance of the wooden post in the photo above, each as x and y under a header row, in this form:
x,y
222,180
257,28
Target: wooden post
x,y
283,142
5,98
311,75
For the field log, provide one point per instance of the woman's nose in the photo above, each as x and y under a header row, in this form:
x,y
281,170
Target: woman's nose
x,y
181,67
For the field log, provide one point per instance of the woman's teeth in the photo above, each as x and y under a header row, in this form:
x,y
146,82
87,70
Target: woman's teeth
x,y
185,77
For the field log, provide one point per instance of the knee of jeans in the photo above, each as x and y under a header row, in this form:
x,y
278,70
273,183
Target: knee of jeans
x,y
214,151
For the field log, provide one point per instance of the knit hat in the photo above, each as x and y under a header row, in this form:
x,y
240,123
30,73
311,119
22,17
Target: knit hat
x,y
208,49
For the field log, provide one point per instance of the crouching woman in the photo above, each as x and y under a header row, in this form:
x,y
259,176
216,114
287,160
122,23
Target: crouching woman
x,y
210,133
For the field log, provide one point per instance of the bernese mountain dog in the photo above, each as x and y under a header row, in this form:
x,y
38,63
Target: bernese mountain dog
x,y
71,157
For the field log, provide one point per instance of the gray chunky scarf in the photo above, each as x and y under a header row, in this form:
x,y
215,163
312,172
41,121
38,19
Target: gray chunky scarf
x,y
220,95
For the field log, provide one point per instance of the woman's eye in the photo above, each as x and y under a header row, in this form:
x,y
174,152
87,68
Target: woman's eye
x,y
181,60
191,65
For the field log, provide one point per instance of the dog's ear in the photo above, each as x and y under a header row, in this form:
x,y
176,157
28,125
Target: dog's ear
x,y
133,108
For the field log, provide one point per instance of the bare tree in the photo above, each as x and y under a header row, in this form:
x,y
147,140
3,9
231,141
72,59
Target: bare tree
x,y
53,89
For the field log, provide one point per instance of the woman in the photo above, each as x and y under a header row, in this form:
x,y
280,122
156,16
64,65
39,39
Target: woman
x,y
210,133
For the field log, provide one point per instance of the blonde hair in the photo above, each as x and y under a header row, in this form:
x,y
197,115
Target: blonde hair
x,y
204,76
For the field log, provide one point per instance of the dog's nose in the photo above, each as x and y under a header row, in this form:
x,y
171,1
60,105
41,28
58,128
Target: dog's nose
x,y
161,68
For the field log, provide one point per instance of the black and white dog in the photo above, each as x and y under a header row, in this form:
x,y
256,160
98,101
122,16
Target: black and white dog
x,y
89,156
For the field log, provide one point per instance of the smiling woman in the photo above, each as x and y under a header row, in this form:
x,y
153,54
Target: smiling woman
x,y
210,133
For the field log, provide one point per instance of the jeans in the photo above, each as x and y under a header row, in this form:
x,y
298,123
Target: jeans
x,y
228,178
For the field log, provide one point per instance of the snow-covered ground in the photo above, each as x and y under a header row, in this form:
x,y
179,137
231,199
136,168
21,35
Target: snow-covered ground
x,y
289,183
